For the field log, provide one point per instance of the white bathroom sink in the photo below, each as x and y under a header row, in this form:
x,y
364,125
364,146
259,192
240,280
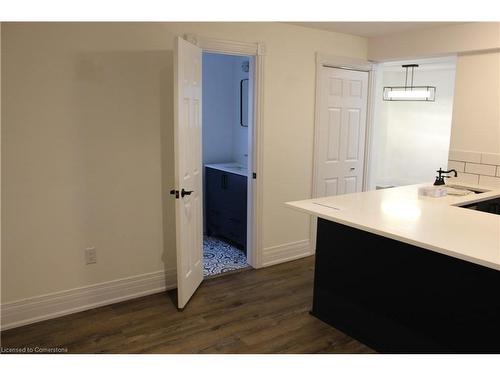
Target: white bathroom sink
x,y
232,167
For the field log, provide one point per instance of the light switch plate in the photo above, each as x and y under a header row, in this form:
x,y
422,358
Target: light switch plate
x,y
90,255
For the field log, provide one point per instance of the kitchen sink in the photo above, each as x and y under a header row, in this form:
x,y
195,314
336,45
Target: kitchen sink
x,y
491,206
463,188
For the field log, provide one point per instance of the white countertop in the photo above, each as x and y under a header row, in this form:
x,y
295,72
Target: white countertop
x,y
231,167
435,224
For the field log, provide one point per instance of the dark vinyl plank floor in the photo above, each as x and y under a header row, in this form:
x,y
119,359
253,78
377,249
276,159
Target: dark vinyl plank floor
x,y
253,311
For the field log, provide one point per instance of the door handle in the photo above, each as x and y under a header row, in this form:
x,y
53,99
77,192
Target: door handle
x,y
185,192
352,168
224,181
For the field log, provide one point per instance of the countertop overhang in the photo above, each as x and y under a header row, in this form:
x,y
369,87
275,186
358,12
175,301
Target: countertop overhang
x,y
436,224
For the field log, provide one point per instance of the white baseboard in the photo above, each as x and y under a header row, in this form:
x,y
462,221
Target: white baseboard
x,y
286,252
48,306
53,305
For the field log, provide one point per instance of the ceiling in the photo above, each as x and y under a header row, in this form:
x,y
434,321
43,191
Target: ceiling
x,y
372,29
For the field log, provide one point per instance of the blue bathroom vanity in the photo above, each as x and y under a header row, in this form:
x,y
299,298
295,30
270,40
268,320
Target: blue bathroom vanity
x,y
226,202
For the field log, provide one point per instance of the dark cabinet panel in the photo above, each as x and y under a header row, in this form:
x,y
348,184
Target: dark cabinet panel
x,y
400,298
226,205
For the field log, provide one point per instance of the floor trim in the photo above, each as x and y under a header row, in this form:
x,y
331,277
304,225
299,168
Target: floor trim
x,y
286,252
53,305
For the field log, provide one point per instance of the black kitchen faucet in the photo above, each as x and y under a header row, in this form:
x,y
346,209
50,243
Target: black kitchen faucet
x,y
440,178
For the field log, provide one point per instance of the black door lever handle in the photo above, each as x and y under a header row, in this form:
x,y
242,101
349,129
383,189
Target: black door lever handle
x,y
185,192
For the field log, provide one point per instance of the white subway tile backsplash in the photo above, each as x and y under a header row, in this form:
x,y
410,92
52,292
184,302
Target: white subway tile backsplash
x,y
462,155
487,158
489,181
464,178
483,169
458,165
475,167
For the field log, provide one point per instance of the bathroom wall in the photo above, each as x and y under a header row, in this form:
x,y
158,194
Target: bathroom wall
x,y
240,133
224,139
411,139
219,107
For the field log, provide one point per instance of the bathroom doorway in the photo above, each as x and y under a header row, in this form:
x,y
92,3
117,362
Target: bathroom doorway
x,y
226,155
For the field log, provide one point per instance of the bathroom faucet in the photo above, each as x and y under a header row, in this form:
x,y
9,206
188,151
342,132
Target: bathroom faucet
x,y
440,178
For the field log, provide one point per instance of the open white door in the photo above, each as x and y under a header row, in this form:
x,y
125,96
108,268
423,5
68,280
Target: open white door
x,y
188,168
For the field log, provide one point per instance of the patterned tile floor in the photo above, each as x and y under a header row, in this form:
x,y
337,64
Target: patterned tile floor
x,y
220,256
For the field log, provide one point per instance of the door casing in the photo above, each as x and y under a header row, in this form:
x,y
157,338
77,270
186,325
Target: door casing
x,y
255,186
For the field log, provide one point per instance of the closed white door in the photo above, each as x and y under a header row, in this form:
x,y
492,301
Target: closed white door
x,y
188,169
340,138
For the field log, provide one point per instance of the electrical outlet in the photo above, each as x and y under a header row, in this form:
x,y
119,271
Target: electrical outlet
x,y
90,255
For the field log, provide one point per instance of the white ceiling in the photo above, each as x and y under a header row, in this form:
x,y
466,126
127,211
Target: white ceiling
x,y
372,29
435,63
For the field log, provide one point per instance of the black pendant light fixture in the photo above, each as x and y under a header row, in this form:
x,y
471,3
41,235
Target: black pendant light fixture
x,y
409,93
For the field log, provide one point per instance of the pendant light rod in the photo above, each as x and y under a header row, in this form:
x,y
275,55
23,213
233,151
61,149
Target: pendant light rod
x,y
412,66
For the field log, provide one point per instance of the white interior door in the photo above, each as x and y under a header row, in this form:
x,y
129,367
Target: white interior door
x,y
188,168
340,141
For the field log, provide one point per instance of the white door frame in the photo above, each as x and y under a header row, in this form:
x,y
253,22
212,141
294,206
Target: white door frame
x,y
332,61
254,197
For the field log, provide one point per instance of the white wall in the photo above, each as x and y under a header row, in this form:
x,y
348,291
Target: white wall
x,y
411,139
476,115
475,137
224,140
476,111
1,132
87,148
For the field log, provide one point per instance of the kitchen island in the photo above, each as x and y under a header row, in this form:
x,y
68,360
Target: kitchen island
x,y
408,274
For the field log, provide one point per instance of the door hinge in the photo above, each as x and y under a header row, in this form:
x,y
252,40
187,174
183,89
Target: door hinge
x,y
175,192
254,175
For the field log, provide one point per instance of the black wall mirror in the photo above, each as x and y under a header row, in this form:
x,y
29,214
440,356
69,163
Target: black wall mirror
x,y
244,102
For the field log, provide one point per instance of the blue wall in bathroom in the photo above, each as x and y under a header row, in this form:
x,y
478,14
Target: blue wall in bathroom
x,y
224,140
